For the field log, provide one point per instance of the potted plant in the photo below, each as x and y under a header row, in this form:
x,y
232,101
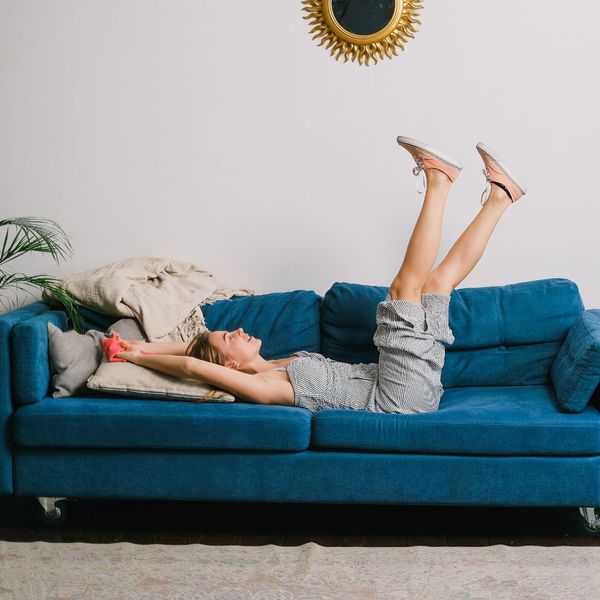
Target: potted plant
x,y
37,235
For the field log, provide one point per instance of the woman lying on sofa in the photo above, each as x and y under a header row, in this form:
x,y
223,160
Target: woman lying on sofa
x,y
412,322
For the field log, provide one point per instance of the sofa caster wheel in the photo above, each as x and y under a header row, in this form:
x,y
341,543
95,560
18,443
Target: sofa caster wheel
x,y
52,512
589,523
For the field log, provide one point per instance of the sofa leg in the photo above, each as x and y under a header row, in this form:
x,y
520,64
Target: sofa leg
x,y
590,521
52,511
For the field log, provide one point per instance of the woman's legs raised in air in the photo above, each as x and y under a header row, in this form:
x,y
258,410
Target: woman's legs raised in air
x,y
424,244
468,249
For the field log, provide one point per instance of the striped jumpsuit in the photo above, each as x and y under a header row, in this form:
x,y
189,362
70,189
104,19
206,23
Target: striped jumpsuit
x,y
410,339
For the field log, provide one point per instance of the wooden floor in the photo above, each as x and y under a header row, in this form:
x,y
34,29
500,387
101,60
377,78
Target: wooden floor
x,y
159,522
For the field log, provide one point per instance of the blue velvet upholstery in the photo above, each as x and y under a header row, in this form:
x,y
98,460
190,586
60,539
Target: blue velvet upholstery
x,y
115,422
576,369
509,420
284,321
309,476
499,437
504,335
31,363
93,319
7,322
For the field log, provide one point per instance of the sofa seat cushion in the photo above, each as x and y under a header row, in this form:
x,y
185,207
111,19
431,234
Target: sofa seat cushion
x,y
508,420
89,422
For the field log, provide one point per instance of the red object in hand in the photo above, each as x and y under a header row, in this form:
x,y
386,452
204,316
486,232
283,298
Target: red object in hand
x,y
111,347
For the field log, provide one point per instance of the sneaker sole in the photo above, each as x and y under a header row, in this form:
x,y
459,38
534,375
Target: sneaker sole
x,y
401,139
499,161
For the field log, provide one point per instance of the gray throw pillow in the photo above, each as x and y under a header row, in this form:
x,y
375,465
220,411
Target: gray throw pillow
x,y
128,328
73,358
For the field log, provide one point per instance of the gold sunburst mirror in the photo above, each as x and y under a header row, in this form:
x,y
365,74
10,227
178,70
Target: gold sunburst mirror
x,y
363,30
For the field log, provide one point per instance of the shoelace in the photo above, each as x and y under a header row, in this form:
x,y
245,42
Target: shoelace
x,y
420,168
488,187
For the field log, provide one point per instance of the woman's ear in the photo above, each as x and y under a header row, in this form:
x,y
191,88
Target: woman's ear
x,y
233,364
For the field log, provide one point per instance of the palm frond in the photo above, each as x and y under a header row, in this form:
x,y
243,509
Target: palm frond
x,y
8,308
55,291
34,235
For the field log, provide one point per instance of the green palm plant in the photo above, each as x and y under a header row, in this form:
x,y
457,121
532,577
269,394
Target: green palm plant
x,y
37,235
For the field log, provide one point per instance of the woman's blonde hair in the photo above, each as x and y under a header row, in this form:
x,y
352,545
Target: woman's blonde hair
x,y
201,348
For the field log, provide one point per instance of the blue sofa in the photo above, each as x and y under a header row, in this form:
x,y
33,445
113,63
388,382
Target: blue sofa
x,y
499,438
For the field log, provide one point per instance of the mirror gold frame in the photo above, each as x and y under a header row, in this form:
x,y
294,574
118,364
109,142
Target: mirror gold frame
x,y
362,48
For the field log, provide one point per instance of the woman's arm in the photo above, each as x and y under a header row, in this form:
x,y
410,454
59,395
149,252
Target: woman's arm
x,y
171,348
171,365
252,388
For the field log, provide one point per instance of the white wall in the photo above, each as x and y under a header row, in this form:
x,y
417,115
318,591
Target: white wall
x,y
219,132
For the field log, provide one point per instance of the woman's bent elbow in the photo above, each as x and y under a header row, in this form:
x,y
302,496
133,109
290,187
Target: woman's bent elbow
x,y
189,367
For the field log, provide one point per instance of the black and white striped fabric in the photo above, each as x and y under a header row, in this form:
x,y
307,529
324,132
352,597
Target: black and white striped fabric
x,y
410,339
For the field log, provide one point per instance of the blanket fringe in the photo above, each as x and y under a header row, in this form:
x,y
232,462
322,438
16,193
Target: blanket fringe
x,y
190,327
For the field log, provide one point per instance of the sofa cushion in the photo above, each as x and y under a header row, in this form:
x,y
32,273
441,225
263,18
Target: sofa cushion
x,y
504,335
73,358
131,380
128,328
576,369
284,321
511,420
131,423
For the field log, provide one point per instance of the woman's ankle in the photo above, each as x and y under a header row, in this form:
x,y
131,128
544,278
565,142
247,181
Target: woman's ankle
x,y
498,199
436,176
500,194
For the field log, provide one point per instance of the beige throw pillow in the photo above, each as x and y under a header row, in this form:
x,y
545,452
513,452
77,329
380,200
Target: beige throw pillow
x,y
129,379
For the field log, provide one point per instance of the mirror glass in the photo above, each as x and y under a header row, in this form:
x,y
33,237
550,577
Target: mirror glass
x,y
363,17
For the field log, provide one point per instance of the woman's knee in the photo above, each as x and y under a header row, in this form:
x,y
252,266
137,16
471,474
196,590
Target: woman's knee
x,y
438,283
406,292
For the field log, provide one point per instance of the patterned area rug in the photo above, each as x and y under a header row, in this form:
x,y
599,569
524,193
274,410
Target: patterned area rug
x,y
81,571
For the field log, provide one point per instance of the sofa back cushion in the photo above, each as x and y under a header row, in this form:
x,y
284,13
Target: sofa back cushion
x,y
504,335
575,372
284,321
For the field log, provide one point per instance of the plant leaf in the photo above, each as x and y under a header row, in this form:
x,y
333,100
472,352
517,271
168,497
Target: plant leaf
x,y
35,235
56,293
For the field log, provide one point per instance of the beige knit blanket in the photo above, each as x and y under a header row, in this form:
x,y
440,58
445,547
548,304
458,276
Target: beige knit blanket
x,y
162,294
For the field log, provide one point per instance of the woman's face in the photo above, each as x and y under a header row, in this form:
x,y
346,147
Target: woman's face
x,y
237,346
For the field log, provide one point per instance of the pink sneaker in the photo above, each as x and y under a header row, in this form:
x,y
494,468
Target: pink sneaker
x,y
496,171
427,157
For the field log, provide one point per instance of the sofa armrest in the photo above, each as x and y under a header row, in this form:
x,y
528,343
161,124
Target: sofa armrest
x,y
575,372
7,322
31,370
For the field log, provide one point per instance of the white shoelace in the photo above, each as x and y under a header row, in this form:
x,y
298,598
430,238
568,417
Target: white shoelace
x,y
488,187
420,168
